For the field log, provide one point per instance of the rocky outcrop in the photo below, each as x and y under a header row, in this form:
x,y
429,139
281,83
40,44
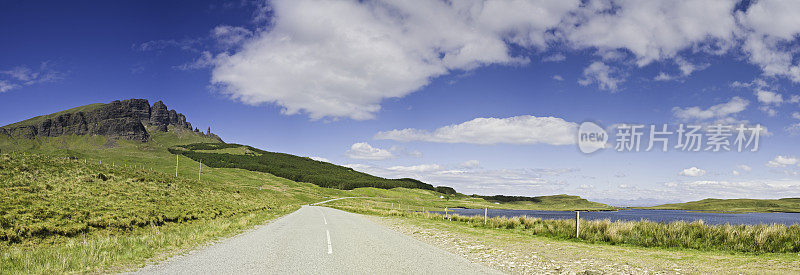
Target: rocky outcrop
x,y
119,119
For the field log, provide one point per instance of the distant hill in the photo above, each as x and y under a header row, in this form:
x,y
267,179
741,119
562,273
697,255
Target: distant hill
x,y
553,201
132,119
300,169
736,205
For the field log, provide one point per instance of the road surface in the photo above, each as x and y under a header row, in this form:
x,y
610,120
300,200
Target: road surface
x,y
319,240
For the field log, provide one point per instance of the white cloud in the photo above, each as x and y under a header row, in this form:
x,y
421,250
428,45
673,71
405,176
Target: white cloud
x,y
6,86
320,159
417,168
513,130
761,188
650,30
692,172
768,97
342,58
22,76
363,150
471,164
794,128
783,161
477,181
554,58
721,111
606,77
230,36
558,77
794,99
768,26
741,169
686,68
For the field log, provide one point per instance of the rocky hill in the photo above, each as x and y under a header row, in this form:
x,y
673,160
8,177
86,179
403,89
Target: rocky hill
x,y
127,119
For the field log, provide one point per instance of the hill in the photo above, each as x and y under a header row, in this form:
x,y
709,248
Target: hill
x,y
132,119
300,169
548,202
736,205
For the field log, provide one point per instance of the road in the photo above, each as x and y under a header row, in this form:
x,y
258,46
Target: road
x,y
318,240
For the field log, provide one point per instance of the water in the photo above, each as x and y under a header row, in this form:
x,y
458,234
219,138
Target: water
x,y
644,214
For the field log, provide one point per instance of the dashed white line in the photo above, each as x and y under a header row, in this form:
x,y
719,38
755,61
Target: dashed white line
x,y
330,248
324,219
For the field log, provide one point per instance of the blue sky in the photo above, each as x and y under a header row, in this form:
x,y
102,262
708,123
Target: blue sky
x,y
505,83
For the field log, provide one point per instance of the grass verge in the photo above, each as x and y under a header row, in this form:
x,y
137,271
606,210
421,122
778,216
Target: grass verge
x,y
775,238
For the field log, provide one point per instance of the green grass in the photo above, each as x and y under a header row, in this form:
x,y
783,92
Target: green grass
x,y
37,120
736,205
776,238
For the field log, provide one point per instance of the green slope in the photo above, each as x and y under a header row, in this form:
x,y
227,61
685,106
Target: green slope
x,y
736,205
301,169
548,202
37,120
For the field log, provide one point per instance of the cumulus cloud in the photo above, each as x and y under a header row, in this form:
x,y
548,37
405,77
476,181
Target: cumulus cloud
x,y
341,59
692,172
722,111
558,77
783,161
363,150
607,78
650,30
512,130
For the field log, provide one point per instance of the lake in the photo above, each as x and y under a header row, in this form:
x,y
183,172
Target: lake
x,y
645,214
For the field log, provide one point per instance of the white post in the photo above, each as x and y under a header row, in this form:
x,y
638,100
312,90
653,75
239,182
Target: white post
x,y
485,214
201,170
577,224
176,166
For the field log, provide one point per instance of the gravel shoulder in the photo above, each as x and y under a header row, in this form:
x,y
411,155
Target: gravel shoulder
x,y
514,252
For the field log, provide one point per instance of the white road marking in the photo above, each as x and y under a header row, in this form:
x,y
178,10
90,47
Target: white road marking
x,y
324,219
330,248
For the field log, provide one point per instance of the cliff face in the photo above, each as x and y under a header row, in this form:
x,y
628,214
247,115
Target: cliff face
x,y
119,119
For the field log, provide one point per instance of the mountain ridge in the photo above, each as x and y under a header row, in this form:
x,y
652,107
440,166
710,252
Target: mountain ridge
x,y
126,119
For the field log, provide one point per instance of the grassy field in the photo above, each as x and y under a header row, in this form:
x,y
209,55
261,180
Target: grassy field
x,y
736,205
682,235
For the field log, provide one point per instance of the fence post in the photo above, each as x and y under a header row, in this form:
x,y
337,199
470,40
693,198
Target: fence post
x,y
176,166
485,215
200,171
577,224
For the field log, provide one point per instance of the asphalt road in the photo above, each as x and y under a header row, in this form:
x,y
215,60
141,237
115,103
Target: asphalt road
x,y
318,240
